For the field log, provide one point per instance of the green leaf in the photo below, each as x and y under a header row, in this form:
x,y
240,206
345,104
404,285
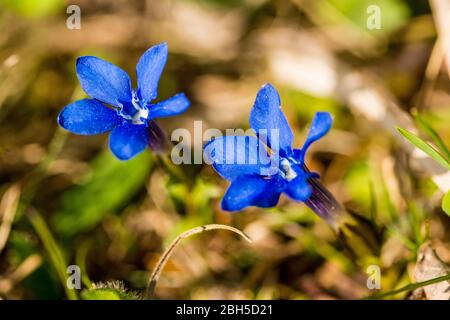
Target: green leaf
x,y
110,187
357,181
100,294
201,196
53,250
446,203
425,126
106,294
42,283
393,13
425,147
34,8
111,290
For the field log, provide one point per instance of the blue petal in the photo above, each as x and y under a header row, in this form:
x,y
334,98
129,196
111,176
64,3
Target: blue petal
x,y
170,107
88,117
299,188
320,125
267,116
247,191
127,140
104,81
232,156
149,70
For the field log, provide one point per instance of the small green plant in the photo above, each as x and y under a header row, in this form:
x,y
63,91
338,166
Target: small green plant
x,y
439,151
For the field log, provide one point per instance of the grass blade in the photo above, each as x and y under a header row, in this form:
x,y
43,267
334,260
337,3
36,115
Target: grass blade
x,y
425,147
53,250
446,203
425,126
409,287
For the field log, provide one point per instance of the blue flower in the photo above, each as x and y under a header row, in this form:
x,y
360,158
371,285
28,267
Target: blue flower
x,y
258,177
130,114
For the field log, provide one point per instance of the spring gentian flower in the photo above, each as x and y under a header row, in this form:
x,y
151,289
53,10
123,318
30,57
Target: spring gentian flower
x,y
115,106
258,182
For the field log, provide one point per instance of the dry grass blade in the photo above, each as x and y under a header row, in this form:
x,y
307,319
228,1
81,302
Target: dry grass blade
x,y
27,267
441,10
166,255
8,208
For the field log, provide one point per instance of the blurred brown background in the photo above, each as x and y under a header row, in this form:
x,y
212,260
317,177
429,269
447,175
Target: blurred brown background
x,y
113,219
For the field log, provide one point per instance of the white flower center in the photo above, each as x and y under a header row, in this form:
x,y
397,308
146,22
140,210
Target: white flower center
x,y
141,113
288,172
140,116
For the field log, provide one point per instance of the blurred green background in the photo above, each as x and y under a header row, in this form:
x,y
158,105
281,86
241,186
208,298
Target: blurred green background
x,y
64,199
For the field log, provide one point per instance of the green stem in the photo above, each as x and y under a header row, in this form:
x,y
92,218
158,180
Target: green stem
x,y
164,161
53,250
409,287
38,174
80,258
